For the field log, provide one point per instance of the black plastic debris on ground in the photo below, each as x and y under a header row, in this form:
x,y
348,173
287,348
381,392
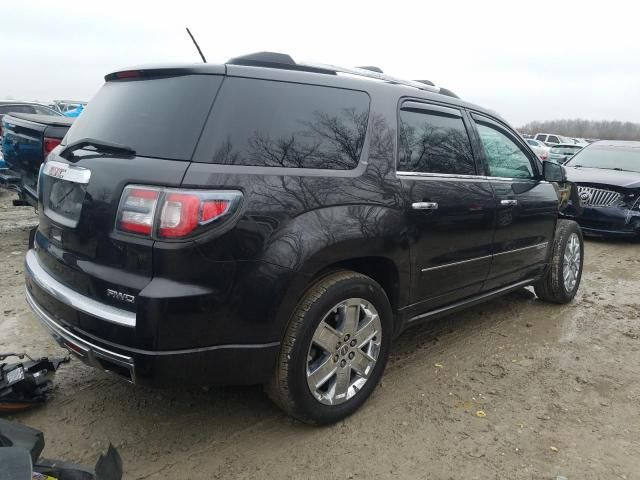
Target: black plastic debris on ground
x,y
26,384
20,449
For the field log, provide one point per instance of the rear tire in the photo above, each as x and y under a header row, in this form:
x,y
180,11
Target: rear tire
x,y
561,282
335,349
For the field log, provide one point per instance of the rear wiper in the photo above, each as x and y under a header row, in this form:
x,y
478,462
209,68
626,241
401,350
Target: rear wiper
x,y
99,145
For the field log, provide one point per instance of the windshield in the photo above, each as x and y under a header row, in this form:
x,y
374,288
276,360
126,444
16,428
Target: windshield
x,y
158,117
608,158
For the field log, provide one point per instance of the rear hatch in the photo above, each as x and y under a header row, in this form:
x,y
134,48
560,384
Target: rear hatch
x,y
158,115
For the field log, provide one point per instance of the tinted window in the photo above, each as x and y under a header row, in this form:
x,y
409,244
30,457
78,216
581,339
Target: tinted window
x,y
434,143
503,156
553,139
17,109
541,137
280,124
160,117
595,156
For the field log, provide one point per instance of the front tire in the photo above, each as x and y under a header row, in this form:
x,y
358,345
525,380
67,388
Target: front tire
x,y
561,282
335,349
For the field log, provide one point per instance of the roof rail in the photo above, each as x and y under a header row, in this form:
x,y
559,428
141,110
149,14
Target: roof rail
x,y
284,61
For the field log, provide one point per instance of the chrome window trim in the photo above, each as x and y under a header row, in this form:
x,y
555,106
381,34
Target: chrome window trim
x,y
75,300
471,177
485,257
439,175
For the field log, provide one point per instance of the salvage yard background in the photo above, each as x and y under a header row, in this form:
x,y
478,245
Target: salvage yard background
x,y
514,388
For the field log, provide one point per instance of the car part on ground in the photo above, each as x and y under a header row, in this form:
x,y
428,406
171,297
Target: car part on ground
x,y
26,384
20,450
218,225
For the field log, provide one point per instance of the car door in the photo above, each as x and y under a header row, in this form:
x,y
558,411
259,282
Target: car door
x,y
527,205
450,209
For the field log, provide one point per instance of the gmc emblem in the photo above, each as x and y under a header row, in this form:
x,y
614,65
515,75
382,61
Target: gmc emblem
x,y
122,297
57,172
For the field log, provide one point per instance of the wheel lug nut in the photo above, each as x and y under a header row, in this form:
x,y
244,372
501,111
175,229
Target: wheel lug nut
x,y
351,355
343,363
353,342
346,337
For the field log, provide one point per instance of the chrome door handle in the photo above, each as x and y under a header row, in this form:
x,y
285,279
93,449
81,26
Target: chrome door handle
x,y
508,203
424,206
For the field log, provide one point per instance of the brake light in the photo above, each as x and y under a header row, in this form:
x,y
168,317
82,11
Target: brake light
x,y
177,213
49,144
128,74
137,209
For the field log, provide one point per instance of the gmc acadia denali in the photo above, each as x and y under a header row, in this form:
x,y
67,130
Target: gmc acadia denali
x,y
278,223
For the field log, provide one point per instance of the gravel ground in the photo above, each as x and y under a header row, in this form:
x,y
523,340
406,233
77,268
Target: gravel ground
x,y
559,387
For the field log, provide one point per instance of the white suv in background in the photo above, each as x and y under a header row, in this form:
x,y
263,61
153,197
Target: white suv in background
x,y
551,139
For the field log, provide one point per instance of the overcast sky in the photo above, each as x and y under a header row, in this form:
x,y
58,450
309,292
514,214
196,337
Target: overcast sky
x,y
536,60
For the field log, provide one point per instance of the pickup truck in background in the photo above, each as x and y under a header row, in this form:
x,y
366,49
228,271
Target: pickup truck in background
x,y
26,141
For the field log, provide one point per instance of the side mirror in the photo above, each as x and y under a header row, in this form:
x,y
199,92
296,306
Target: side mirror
x,y
554,172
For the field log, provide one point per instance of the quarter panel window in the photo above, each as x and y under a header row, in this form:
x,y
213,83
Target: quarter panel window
x,y
503,157
279,124
434,142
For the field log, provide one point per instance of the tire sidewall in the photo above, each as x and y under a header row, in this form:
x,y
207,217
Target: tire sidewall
x,y
306,403
558,266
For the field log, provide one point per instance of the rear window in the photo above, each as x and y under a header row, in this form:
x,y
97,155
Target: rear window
x,y
159,117
279,124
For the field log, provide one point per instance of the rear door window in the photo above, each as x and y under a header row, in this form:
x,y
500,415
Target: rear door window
x,y
434,141
553,139
280,124
157,117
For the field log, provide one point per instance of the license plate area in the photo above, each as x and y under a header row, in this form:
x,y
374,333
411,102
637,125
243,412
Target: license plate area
x,y
63,188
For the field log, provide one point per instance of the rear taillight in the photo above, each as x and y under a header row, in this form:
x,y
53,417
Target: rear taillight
x,y
170,213
49,144
137,210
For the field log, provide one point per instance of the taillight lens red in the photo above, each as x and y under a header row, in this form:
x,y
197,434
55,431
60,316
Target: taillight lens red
x,y
49,144
181,212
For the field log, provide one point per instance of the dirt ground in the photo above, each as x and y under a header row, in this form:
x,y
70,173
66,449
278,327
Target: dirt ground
x,y
559,386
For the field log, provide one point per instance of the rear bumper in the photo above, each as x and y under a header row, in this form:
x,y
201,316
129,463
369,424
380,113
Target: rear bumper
x,y
213,365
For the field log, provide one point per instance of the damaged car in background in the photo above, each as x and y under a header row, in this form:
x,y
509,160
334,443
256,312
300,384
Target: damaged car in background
x,y
607,174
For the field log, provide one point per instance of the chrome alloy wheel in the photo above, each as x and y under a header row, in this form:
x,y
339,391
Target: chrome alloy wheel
x,y
571,264
343,351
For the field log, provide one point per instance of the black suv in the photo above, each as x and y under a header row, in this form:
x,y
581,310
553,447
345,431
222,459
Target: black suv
x,y
270,222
